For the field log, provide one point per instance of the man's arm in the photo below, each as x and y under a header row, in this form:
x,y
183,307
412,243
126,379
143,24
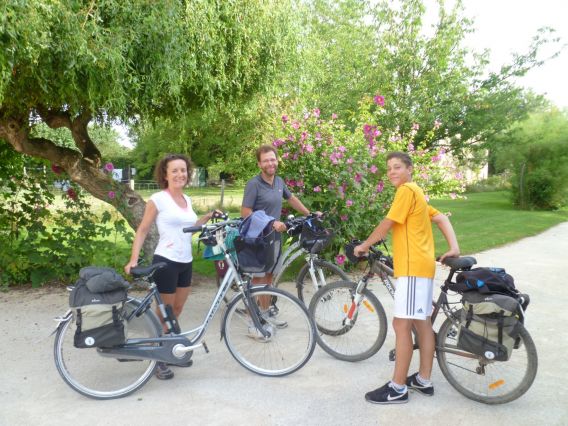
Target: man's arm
x,y
448,230
297,205
245,211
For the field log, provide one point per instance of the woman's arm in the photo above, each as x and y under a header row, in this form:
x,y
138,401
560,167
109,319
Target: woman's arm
x,y
150,214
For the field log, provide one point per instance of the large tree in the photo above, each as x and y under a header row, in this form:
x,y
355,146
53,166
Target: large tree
x,y
423,69
70,63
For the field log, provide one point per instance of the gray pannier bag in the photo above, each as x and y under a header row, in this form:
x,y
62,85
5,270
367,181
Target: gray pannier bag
x,y
97,301
489,325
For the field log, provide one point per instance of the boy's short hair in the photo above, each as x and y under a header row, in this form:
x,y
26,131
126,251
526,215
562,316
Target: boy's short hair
x,y
402,156
263,149
161,169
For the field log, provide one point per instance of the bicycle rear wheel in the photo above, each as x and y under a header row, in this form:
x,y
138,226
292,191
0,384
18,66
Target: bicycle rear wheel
x,y
354,340
325,272
286,350
482,380
102,377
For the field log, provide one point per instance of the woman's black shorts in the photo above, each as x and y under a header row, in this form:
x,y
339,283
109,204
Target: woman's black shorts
x,y
174,275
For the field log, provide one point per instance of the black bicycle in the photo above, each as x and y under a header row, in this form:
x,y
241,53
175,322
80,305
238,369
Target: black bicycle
x,y
337,309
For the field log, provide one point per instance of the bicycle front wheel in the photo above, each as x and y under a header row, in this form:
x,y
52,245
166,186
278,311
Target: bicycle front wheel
x,y
292,337
324,273
102,377
347,339
482,380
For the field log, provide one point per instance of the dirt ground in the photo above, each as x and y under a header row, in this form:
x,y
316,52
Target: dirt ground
x,y
218,391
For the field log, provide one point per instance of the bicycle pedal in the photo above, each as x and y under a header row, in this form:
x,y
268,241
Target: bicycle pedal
x,y
205,347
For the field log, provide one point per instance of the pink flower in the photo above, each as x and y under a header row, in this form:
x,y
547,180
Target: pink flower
x,y
309,148
349,203
109,167
342,148
56,169
316,112
111,195
350,160
318,136
410,147
344,217
292,182
453,195
306,115
277,142
317,189
295,125
334,116
380,186
340,259
437,124
303,136
72,194
300,184
436,158
379,100
358,177
285,155
373,169
415,126
284,119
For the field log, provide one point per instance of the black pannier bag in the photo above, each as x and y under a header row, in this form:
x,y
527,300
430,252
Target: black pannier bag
x,y
315,238
255,255
489,325
485,280
99,314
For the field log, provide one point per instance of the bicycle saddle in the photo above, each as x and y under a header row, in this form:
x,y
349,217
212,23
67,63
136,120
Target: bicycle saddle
x,y
460,262
143,271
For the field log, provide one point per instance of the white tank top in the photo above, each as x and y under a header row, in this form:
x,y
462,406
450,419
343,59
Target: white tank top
x,y
174,244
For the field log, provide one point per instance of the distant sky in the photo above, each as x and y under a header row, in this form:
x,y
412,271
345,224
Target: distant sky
x,y
507,26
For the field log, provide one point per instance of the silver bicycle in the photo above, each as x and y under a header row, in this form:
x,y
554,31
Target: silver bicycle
x,y
309,238
258,342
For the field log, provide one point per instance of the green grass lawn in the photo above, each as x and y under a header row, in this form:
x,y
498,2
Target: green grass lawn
x,y
487,219
482,221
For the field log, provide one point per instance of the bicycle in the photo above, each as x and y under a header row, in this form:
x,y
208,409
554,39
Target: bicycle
x,y
118,371
308,240
476,377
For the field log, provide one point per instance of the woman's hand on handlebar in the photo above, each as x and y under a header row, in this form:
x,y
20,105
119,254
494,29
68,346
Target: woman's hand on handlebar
x,y
129,266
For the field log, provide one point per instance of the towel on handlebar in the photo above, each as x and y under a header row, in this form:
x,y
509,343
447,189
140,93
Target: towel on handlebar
x,y
254,225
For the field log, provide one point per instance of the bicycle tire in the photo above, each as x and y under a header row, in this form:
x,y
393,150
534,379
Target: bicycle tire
x,y
355,342
329,271
286,350
501,382
102,377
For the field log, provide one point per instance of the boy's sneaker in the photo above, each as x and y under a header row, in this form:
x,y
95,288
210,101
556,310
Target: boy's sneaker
x,y
163,372
387,395
254,333
271,316
413,383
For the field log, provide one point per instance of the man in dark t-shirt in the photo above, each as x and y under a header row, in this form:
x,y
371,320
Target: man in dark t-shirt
x,y
265,192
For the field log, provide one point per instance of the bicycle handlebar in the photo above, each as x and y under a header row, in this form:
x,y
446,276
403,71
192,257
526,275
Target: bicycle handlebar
x,y
293,223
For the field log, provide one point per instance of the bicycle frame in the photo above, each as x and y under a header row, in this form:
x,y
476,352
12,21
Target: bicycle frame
x,y
173,347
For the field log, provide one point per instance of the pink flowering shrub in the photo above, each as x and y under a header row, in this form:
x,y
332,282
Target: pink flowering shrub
x,y
343,172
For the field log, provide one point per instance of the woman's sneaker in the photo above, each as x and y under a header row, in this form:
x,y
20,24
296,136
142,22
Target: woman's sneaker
x,y
387,395
413,383
163,372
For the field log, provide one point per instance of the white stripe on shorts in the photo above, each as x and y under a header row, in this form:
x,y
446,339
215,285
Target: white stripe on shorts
x,y
413,297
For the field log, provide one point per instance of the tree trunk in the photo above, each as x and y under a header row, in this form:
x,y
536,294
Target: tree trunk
x,y
83,167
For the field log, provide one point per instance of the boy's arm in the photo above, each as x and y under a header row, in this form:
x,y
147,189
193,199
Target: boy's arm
x,y
447,229
379,233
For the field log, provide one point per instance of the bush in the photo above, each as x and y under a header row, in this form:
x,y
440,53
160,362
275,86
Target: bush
x,y
541,176
491,184
343,172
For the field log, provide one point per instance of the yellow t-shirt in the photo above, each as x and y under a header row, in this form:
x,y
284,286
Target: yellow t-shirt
x,y
413,242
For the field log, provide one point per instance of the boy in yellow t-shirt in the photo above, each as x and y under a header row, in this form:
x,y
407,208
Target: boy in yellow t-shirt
x,y
410,218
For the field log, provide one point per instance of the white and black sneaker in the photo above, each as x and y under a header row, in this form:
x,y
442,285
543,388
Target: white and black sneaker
x,y
387,395
271,316
413,383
